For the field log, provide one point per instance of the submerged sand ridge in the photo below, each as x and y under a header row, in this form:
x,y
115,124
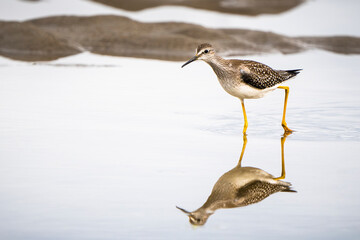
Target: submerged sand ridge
x,y
24,41
243,7
55,37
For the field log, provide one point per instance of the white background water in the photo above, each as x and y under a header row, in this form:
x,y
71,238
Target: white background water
x,y
91,147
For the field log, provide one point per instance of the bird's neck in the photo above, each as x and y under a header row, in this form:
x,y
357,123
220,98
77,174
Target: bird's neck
x,y
205,211
220,66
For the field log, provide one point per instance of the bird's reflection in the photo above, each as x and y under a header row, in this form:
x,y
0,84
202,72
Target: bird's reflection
x,y
239,187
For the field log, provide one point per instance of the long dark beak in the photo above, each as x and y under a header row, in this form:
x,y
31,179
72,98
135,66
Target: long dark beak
x,y
191,60
183,210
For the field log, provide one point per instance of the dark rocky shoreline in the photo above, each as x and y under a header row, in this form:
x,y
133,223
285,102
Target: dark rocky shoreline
x,y
51,38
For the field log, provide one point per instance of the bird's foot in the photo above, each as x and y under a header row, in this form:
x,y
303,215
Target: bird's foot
x,y
287,130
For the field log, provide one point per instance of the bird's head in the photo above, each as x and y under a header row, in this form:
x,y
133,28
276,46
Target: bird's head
x,y
196,218
204,52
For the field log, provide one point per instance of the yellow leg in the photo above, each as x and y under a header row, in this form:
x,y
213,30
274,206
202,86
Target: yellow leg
x,y
282,159
283,122
245,117
242,150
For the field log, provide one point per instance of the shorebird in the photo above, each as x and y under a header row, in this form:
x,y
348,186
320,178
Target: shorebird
x,y
245,79
239,187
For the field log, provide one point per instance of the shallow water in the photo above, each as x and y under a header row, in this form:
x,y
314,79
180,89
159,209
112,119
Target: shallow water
x,y
91,147
106,151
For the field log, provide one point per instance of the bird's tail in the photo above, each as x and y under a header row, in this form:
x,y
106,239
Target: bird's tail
x,y
287,74
288,189
293,72
285,186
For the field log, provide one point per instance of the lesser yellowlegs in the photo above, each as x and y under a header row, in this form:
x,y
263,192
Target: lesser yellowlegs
x,y
239,187
245,79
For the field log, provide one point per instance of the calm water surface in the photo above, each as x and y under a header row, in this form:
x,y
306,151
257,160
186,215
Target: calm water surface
x,y
107,153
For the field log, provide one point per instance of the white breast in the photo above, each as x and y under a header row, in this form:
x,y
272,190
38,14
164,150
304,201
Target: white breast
x,y
242,90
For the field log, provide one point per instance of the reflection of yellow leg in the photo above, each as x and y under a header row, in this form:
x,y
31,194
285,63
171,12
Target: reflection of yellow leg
x,y
245,118
243,150
283,122
282,159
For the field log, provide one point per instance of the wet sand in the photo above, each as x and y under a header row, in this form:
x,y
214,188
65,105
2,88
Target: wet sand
x,y
244,7
24,41
55,37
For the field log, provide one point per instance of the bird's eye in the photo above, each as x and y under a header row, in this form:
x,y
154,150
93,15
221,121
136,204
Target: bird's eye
x,y
206,51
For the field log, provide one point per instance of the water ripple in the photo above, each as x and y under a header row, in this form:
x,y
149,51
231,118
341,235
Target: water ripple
x,y
338,123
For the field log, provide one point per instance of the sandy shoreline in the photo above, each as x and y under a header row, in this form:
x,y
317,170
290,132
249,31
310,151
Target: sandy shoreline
x,y
51,38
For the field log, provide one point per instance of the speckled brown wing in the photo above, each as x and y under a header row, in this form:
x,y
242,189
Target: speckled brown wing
x,y
257,191
262,76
